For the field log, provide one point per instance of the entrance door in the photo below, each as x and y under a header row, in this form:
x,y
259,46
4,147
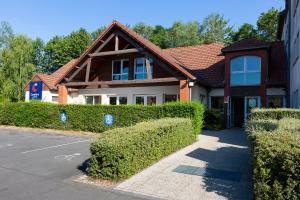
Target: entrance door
x,y
250,103
238,111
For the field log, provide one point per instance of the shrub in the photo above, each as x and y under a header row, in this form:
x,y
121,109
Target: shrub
x,y
276,158
122,152
91,117
277,114
212,119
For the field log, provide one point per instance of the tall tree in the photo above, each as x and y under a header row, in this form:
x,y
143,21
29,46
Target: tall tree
x,y
38,48
16,67
6,33
143,29
267,24
97,32
60,50
215,28
246,31
160,37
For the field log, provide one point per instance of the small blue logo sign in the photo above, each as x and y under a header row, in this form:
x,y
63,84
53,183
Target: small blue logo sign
x,y
63,117
35,90
108,120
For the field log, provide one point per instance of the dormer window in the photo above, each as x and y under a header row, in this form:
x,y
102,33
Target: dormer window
x,y
245,71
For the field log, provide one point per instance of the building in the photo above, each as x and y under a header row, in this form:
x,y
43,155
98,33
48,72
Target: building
x,y
288,31
121,67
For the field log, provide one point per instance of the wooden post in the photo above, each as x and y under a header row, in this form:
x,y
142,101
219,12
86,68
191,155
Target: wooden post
x,y
148,66
87,74
116,43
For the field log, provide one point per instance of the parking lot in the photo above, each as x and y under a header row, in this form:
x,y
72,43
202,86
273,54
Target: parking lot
x,y
43,166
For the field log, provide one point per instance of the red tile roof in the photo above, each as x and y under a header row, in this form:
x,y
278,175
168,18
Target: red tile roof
x,y
204,61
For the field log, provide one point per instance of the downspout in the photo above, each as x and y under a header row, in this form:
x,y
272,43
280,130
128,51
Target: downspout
x,y
288,99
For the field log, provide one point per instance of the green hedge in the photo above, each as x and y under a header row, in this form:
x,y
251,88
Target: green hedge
x,y
277,114
122,152
212,119
91,117
276,158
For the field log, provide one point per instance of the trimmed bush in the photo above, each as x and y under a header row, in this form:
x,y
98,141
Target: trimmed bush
x,y
276,114
212,119
276,157
122,152
91,117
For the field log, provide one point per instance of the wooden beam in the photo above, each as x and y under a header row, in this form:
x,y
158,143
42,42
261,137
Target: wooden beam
x,y
127,45
105,42
88,68
78,70
158,80
116,43
148,66
129,40
108,53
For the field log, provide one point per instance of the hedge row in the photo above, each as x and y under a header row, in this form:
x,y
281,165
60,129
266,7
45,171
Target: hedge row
x,y
276,158
122,152
91,117
259,114
212,119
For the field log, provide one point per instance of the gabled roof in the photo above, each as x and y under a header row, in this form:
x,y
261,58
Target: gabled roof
x,y
143,42
246,44
203,61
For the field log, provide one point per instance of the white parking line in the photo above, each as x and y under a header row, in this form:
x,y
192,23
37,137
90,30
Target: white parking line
x,y
56,146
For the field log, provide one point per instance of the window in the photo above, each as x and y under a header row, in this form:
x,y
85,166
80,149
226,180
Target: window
x,y
140,69
120,69
217,103
245,70
118,100
145,100
275,101
93,100
170,98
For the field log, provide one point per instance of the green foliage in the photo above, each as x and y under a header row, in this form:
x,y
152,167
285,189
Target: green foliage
x,y
160,37
6,34
212,119
91,117
246,31
97,32
267,25
16,67
38,47
143,29
215,28
60,50
277,113
122,152
276,155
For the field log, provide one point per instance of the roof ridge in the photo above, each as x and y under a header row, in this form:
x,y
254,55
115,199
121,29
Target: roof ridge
x,y
197,45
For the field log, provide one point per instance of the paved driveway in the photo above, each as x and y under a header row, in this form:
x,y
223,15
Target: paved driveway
x,y
216,167
37,166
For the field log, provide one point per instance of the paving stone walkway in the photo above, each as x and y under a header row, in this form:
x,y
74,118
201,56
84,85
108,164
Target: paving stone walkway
x,y
218,166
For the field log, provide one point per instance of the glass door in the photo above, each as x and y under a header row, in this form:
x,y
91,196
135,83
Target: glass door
x,y
250,103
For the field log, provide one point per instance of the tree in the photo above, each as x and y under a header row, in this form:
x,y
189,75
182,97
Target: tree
x,y
143,29
215,29
60,50
97,32
184,34
16,67
38,48
267,25
246,31
6,33
160,37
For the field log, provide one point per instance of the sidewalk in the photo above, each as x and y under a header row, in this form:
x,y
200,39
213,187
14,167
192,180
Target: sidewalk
x,y
216,167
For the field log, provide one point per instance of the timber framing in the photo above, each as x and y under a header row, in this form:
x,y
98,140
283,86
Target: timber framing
x,y
109,53
105,83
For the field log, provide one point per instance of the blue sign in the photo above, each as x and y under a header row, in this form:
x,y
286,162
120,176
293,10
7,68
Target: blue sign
x,y
108,120
63,117
35,90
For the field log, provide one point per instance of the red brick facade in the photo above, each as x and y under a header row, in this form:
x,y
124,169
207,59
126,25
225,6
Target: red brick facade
x,y
184,91
62,94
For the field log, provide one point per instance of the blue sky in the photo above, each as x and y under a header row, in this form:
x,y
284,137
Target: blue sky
x,y
45,19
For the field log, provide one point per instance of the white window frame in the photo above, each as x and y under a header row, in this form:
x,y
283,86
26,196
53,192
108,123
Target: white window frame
x,y
93,99
144,67
145,98
121,70
118,99
245,71
177,97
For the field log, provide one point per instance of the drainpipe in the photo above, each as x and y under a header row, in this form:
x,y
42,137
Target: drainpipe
x,y
288,99
191,84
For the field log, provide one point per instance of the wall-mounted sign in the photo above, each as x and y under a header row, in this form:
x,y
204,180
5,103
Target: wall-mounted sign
x,y
226,99
63,117
108,120
35,90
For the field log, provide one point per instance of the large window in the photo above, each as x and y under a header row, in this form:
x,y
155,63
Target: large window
x,y
93,100
171,98
145,100
140,68
120,69
118,100
245,70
